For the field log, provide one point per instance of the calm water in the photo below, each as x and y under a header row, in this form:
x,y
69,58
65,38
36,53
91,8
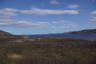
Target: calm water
x,y
78,36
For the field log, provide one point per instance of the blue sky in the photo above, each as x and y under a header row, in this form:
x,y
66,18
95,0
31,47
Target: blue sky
x,y
46,16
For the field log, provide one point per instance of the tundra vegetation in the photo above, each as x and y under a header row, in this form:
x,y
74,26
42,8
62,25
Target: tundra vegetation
x,y
47,51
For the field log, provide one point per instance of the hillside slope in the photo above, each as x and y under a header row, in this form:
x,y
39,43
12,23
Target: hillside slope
x,y
88,31
4,34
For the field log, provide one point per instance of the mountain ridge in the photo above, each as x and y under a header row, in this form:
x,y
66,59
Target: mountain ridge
x,y
4,34
86,31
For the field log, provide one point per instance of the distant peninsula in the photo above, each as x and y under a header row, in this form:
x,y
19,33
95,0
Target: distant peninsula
x,y
86,31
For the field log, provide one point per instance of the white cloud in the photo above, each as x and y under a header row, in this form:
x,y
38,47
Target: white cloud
x,y
27,24
48,11
6,20
93,12
73,6
10,9
62,25
8,12
54,2
58,22
93,16
9,22
93,19
35,24
6,15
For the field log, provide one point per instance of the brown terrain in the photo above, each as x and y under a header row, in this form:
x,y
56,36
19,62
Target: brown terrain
x,y
23,50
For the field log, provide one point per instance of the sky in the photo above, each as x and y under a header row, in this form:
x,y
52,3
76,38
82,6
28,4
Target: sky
x,y
47,16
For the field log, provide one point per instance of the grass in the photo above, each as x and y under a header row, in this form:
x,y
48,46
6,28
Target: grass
x,y
48,51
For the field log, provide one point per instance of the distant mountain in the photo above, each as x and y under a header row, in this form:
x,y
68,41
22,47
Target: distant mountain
x,y
4,34
83,34
88,31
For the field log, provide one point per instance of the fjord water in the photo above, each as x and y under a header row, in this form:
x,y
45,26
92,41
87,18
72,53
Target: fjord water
x,y
76,36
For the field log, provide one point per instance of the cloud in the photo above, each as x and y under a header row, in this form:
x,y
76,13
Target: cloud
x,y
26,24
6,19
58,22
8,12
54,2
48,11
6,15
93,12
73,6
12,23
93,18
62,25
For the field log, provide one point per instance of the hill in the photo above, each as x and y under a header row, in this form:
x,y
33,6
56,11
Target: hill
x,y
46,50
4,34
88,31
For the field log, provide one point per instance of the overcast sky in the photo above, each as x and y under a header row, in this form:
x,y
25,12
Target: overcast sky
x,y
47,16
